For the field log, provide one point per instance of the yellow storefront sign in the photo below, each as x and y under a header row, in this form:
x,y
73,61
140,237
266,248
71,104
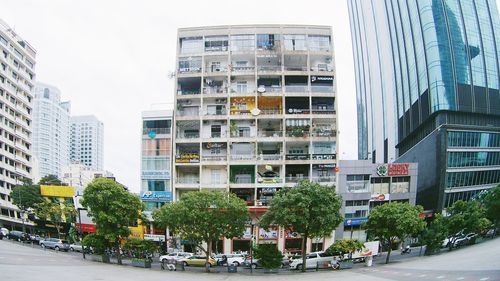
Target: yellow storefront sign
x,y
57,191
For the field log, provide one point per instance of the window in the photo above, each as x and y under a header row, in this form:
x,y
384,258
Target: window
x,y
216,176
216,131
267,41
319,43
242,42
216,43
380,185
400,185
357,183
350,203
3,41
191,45
241,88
294,42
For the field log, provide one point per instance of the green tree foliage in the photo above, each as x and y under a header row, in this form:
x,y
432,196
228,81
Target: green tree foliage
x,y
140,249
268,255
50,180
58,214
112,210
98,243
310,209
465,217
393,222
434,235
27,195
342,247
492,205
204,216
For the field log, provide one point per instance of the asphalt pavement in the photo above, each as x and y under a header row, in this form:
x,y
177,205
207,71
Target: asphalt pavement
x,y
21,262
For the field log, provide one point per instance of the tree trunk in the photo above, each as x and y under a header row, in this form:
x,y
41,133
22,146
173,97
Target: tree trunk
x,y
58,231
118,253
388,253
304,246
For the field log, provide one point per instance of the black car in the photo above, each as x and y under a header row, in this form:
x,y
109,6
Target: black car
x,y
19,236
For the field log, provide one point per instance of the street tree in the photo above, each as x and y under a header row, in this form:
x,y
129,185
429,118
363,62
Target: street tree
x,y
112,210
59,214
492,205
464,217
27,195
310,209
434,235
50,180
343,247
268,255
204,217
394,222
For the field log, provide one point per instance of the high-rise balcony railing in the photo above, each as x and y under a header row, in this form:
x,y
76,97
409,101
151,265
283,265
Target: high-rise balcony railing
x,y
188,135
189,70
324,156
214,90
295,179
296,88
240,157
270,89
321,89
187,92
322,110
239,69
271,111
158,131
214,157
187,180
270,134
270,68
295,67
269,157
216,112
324,132
186,113
330,178
298,156
297,133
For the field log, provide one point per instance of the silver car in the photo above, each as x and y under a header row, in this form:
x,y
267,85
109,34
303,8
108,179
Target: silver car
x,y
55,243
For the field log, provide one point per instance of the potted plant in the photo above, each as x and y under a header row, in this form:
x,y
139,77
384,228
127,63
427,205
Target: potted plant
x,y
99,246
268,256
141,250
344,249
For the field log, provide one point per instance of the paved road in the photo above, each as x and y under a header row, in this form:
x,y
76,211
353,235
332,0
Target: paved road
x,y
21,262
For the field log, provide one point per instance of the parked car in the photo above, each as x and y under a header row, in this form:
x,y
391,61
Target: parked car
x,y
19,236
55,243
35,238
1,235
4,231
77,247
198,261
312,260
174,256
226,259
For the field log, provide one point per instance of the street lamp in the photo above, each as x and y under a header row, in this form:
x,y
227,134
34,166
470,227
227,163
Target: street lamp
x,y
77,203
251,246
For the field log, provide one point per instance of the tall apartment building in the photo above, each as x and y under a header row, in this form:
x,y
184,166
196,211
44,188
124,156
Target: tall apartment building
x,y
17,78
87,141
427,78
156,158
255,112
50,131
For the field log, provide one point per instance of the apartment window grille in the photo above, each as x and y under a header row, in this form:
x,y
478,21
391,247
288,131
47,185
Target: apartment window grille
x,y
295,42
242,42
216,43
319,43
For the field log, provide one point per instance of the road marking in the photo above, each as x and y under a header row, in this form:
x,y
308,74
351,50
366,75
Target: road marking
x,y
484,279
440,277
460,278
423,275
407,274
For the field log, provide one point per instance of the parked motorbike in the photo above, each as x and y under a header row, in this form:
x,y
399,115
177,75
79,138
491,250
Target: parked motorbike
x,y
406,250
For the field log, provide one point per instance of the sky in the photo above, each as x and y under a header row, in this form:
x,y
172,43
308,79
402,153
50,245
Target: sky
x,y
112,58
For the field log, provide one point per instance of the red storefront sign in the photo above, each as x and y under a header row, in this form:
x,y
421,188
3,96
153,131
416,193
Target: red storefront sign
x,y
398,169
85,227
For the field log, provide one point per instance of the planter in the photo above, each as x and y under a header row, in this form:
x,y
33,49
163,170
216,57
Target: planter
x,y
346,264
141,263
101,258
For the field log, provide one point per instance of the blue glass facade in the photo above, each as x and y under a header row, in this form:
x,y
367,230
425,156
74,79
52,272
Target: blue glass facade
x,y
423,66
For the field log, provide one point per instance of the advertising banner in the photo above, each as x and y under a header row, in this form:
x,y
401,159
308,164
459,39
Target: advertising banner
x,y
156,196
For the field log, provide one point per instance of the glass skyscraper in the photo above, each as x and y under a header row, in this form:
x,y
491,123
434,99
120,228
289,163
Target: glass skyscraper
x,y
427,81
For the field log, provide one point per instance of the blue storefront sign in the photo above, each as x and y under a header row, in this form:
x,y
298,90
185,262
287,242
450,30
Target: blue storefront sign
x,y
156,196
355,222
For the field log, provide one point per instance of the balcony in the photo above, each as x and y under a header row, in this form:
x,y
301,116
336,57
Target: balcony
x,y
269,157
158,131
324,132
297,132
295,179
323,110
192,111
212,158
214,90
270,134
187,92
321,89
243,157
187,158
269,68
324,179
187,180
236,69
188,135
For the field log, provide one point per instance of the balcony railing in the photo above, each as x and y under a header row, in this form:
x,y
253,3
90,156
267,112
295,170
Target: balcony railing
x,y
294,179
271,89
296,88
321,89
297,133
242,68
298,111
269,134
158,131
214,157
270,111
326,68
324,133
323,179
243,157
242,178
214,90
323,110
187,158
187,180
187,70
296,67
238,92
216,112
323,156
187,92
184,135
218,69
270,68
269,180
187,113
269,157
298,156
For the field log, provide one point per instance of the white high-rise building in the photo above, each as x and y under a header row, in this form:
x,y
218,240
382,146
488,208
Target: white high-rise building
x,y
50,131
255,112
87,141
17,78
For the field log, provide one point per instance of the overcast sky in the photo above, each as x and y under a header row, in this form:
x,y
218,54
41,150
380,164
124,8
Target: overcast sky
x,y
112,58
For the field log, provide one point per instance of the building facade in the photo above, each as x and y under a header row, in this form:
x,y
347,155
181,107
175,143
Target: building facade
x,y
255,111
17,85
50,131
364,185
87,141
427,78
156,158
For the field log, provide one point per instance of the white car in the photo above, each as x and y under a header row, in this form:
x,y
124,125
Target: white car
x,y
175,256
312,260
4,231
236,259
